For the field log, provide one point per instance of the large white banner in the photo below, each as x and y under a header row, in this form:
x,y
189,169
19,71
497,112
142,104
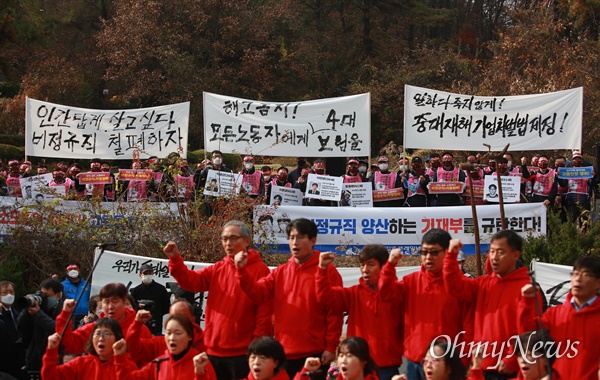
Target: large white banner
x,y
55,130
438,120
346,230
335,127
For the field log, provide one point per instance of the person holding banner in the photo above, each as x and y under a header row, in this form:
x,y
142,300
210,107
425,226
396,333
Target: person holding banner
x,y
544,182
318,168
352,175
228,305
449,173
252,180
379,323
414,183
280,180
443,315
305,327
384,181
295,174
13,180
267,177
574,324
496,297
579,190
218,165
59,179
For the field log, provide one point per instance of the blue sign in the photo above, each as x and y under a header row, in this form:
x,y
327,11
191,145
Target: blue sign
x,y
572,173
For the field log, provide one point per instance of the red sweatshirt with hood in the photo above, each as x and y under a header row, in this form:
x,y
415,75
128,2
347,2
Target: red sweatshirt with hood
x,y
429,310
576,334
233,320
164,368
144,350
74,341
496,300
379,323
87,367
303,325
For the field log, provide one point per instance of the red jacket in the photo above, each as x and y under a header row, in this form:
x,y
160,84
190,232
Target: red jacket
x,y
303,326
144,350
429,310
74,341
87,367
232,319
496,301
379,323
164,368
567,326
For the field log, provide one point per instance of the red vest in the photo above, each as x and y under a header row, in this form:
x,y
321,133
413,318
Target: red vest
x,y
136,191
352,178
274,183
543,183
414,186
13,184
385,181
67,183
185,186
448,176
578,185
251,182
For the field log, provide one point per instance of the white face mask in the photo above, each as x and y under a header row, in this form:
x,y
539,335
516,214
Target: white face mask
x,y
249,166
383,167
217,160
98,312
267,177
147,279
509,164
362,169
8,299
402,168
73,273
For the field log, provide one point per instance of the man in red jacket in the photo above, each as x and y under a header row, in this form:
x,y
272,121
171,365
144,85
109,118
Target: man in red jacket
x,y
304,327
430,311
233,320
112,298
379,323
574,324
496,296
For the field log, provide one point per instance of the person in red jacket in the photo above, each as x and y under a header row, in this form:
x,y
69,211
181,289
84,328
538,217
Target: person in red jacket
x,y
144,350
233,320
99,364
442,315
574,324
496,296
353,359
178,359
379,323
304,326
112,298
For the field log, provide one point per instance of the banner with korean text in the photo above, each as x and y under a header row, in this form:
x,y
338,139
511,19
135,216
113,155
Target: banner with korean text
x,y
335,127
55,130
438,120
346,230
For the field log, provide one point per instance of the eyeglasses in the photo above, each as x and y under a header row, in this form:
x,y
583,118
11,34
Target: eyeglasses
x,y
103,334
432,252
584,275
433,361
232,239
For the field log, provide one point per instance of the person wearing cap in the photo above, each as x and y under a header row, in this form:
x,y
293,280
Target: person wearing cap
x,y
449,173
352,175
293,176
318,168
462,259
267,174
217,165
579,190
544,183
152,291
279,180
74,286
13,180
252,179
384,179
414,183
363,169
42,168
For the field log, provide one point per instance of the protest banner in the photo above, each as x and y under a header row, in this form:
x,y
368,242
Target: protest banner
x,y
55,130
511,188
445,187
357,195
573,173
335,127
94,178
344,228
220,183
388,195
324,187
285,196
135,175
437,120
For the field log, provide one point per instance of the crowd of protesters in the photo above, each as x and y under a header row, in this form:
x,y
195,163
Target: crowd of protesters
x,y
287,322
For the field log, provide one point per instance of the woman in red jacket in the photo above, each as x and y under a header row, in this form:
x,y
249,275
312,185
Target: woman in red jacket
x,y
97,365
353,359
178,361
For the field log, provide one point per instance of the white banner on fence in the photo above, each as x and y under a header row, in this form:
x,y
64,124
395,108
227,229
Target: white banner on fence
x,y
285,196
357,195
511,188
324,187
436,120
123,268
343,227
55,130
335,127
